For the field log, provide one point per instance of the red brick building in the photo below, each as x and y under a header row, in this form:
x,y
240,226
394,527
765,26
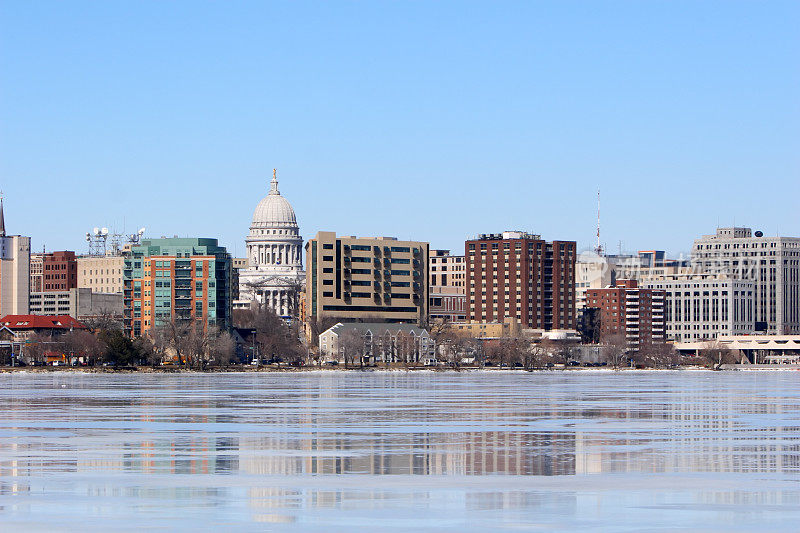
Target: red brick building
x,y
519,275
54,272
626,309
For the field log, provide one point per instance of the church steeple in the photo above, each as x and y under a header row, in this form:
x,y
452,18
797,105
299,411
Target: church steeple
x,y
273,185
2,218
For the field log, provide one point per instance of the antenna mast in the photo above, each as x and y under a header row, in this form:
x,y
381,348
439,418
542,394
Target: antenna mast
x,y
599,248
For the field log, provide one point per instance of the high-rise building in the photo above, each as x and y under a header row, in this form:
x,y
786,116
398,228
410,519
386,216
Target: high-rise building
x,y
274,273
519,275
448,292
380,279
15,257
101,273
771,263
182,279
630,311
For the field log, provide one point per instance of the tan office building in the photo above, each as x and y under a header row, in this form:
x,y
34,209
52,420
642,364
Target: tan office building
x,y
380,279
101,273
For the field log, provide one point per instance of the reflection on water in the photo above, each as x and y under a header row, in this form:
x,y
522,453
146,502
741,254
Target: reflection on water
x,y
431,450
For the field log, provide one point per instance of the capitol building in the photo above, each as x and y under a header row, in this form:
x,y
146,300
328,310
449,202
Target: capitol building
x,y
274,275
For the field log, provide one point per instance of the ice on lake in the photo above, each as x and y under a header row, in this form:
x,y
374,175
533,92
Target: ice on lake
x,y
396,451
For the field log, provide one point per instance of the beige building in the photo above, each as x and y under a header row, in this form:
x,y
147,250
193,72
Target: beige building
x,y
447,271
381,279
37,272
489,330
448,293
15,258
101,273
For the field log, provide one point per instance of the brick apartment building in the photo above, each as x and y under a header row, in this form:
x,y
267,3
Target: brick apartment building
x,y
629,310
519,275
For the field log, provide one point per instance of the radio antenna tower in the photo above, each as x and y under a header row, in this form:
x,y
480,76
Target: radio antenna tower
x,y
599,248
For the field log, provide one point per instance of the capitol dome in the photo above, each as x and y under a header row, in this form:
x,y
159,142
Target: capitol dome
x,y
274,210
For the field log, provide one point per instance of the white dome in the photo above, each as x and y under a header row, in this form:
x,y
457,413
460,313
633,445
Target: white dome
x,y
274,210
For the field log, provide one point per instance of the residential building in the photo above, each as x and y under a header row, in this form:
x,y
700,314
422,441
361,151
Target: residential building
x,y
101,274
80,303
771,263
628,310
274,275
447,276
182,279
381,342
519,275
379,279
15,257
704,307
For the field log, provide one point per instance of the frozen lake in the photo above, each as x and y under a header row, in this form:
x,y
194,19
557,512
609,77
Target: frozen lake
x,y
394,451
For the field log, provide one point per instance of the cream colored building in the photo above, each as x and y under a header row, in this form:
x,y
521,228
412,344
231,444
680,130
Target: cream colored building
x,y
101,273
15,259
274,274
381,279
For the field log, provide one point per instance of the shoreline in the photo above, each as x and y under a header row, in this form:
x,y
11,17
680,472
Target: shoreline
x,y
294,370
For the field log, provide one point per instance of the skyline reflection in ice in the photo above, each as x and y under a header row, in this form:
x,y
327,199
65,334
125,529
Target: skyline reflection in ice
x,y
321,451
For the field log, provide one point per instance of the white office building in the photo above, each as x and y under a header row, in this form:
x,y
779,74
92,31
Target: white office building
x,y
704,307
771,263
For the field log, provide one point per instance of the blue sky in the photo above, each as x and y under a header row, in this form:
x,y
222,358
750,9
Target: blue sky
x,y
476,117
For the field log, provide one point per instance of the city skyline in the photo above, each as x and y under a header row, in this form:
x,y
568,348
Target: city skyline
x,y
483,118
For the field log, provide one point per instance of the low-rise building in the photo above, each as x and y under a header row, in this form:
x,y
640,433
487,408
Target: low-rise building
x,y
378,342
82,304
26,325
489,330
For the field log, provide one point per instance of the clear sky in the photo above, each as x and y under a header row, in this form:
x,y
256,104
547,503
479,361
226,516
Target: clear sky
x,y
426,120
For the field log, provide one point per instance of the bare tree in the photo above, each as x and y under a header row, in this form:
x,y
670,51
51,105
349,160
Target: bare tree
x,y
715,354
80,343
562,351
656,355
276,340
615,350
534,356
351,345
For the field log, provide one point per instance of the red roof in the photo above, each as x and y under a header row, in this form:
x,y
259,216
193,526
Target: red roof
x,y
18,322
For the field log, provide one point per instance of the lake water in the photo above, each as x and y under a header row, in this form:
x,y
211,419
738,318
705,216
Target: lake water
x,y
395,451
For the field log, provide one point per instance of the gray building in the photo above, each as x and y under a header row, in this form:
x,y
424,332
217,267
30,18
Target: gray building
x,y
80,303
771,263
704,307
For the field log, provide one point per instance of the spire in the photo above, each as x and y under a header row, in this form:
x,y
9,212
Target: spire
x,y
273,185
2,218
